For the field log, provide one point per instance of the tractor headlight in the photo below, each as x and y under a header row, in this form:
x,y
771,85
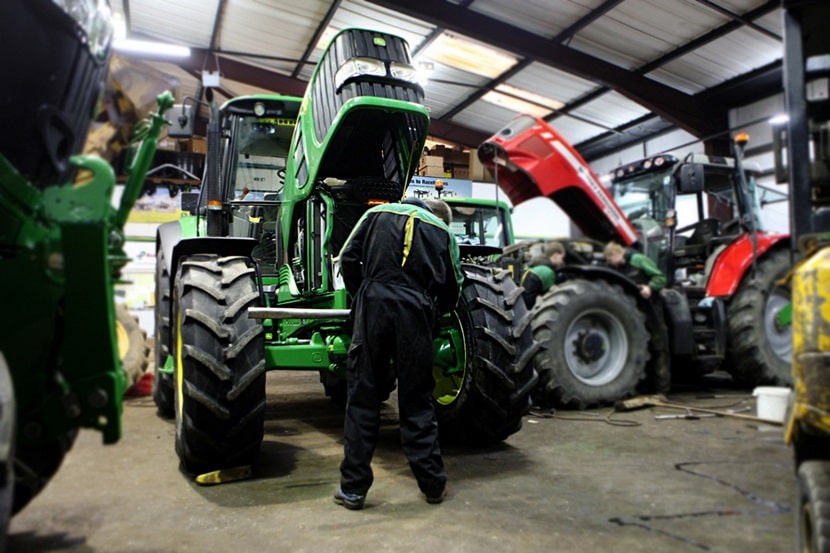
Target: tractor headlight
x,y
359,67
404,72
94,18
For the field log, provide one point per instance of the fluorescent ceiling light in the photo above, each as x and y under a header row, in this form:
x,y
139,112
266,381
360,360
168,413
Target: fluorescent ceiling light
x,y
151,48
521,101
467,55
779,119
532,97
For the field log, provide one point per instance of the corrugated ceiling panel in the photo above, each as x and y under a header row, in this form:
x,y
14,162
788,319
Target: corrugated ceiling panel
x,y
611,109
546,18
638,31
550,82
736,53
772,22
448,87
575,130
484,116
185,22
281,28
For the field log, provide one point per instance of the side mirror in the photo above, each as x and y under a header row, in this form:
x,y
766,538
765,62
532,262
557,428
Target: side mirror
x,y
691,178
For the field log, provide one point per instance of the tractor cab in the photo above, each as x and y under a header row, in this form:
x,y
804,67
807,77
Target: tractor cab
x,y
687,211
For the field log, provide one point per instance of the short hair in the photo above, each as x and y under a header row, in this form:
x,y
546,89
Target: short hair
x,y
613,248
554,247
441,209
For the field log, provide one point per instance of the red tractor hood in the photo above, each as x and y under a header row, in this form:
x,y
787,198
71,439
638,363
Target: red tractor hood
x,y
529,159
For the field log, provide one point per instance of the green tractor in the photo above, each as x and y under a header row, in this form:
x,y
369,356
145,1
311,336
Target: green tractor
x,y
250,282
61,243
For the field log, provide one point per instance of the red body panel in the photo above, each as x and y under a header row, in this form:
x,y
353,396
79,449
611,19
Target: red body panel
x,y
733,262
536,161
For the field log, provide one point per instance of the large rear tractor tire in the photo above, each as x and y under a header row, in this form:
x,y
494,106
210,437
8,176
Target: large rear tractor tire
x,y
813,507
220,365
760,349
593,345
132,344
484,372
162,381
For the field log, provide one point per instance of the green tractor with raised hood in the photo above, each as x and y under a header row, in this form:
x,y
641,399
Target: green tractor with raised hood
x,y
61,242
250,283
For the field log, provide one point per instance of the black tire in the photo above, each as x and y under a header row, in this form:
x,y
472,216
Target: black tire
x,y
593,345
812,510
484,372
132,344
36,464
220,365
162,382
760,351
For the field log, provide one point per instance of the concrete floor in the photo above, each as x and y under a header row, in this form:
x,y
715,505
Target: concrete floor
x,y
567,483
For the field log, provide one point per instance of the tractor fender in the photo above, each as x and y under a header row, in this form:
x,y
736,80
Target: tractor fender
x,y
733,262
176,239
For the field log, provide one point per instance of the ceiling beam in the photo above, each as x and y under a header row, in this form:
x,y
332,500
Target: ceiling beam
x,y
681,109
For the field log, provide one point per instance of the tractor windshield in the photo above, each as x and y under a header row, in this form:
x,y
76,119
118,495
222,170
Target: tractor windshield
x,y
258,155
644,195
478,225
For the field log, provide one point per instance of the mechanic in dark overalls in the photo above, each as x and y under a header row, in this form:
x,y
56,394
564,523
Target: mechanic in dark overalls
x,y
401,266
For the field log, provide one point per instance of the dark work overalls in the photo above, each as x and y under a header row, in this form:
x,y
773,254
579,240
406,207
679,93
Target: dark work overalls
x,y
400,264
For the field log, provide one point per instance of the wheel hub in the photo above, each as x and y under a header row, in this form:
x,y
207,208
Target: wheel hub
x,y
590,346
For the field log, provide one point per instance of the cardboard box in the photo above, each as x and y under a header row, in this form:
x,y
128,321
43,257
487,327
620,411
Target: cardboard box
x,y
478,172
461,173
195,144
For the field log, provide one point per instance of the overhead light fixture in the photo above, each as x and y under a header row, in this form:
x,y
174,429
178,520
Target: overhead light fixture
x,y
779,119
425,70
150,48
522,101
468,55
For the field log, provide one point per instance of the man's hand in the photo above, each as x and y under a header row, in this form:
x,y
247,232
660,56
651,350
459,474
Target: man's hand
x,y
645,291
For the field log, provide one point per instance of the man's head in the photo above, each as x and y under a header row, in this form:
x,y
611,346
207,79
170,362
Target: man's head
x,y
555,251
614,254
441,209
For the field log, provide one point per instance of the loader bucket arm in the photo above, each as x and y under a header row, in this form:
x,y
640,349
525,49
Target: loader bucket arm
x,y
530,159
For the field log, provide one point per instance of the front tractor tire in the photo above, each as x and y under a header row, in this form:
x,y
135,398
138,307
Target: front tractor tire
x,y
484,372
760,348
219,375
593,345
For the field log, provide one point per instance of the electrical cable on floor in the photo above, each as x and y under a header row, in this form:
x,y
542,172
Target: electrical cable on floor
x,y
551,413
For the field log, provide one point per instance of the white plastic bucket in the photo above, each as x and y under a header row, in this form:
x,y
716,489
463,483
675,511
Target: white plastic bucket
x,y
772,402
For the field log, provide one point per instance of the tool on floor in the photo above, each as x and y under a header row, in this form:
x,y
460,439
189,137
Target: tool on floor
x,y
659,400
223,476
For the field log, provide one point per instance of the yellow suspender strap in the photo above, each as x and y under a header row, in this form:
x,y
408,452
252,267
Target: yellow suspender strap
x,y
409,231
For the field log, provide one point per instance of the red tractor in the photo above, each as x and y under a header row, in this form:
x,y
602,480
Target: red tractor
x,y
722,307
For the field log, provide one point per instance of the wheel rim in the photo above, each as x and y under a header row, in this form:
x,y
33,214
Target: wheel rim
x,y
450,366
596,347
780,338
